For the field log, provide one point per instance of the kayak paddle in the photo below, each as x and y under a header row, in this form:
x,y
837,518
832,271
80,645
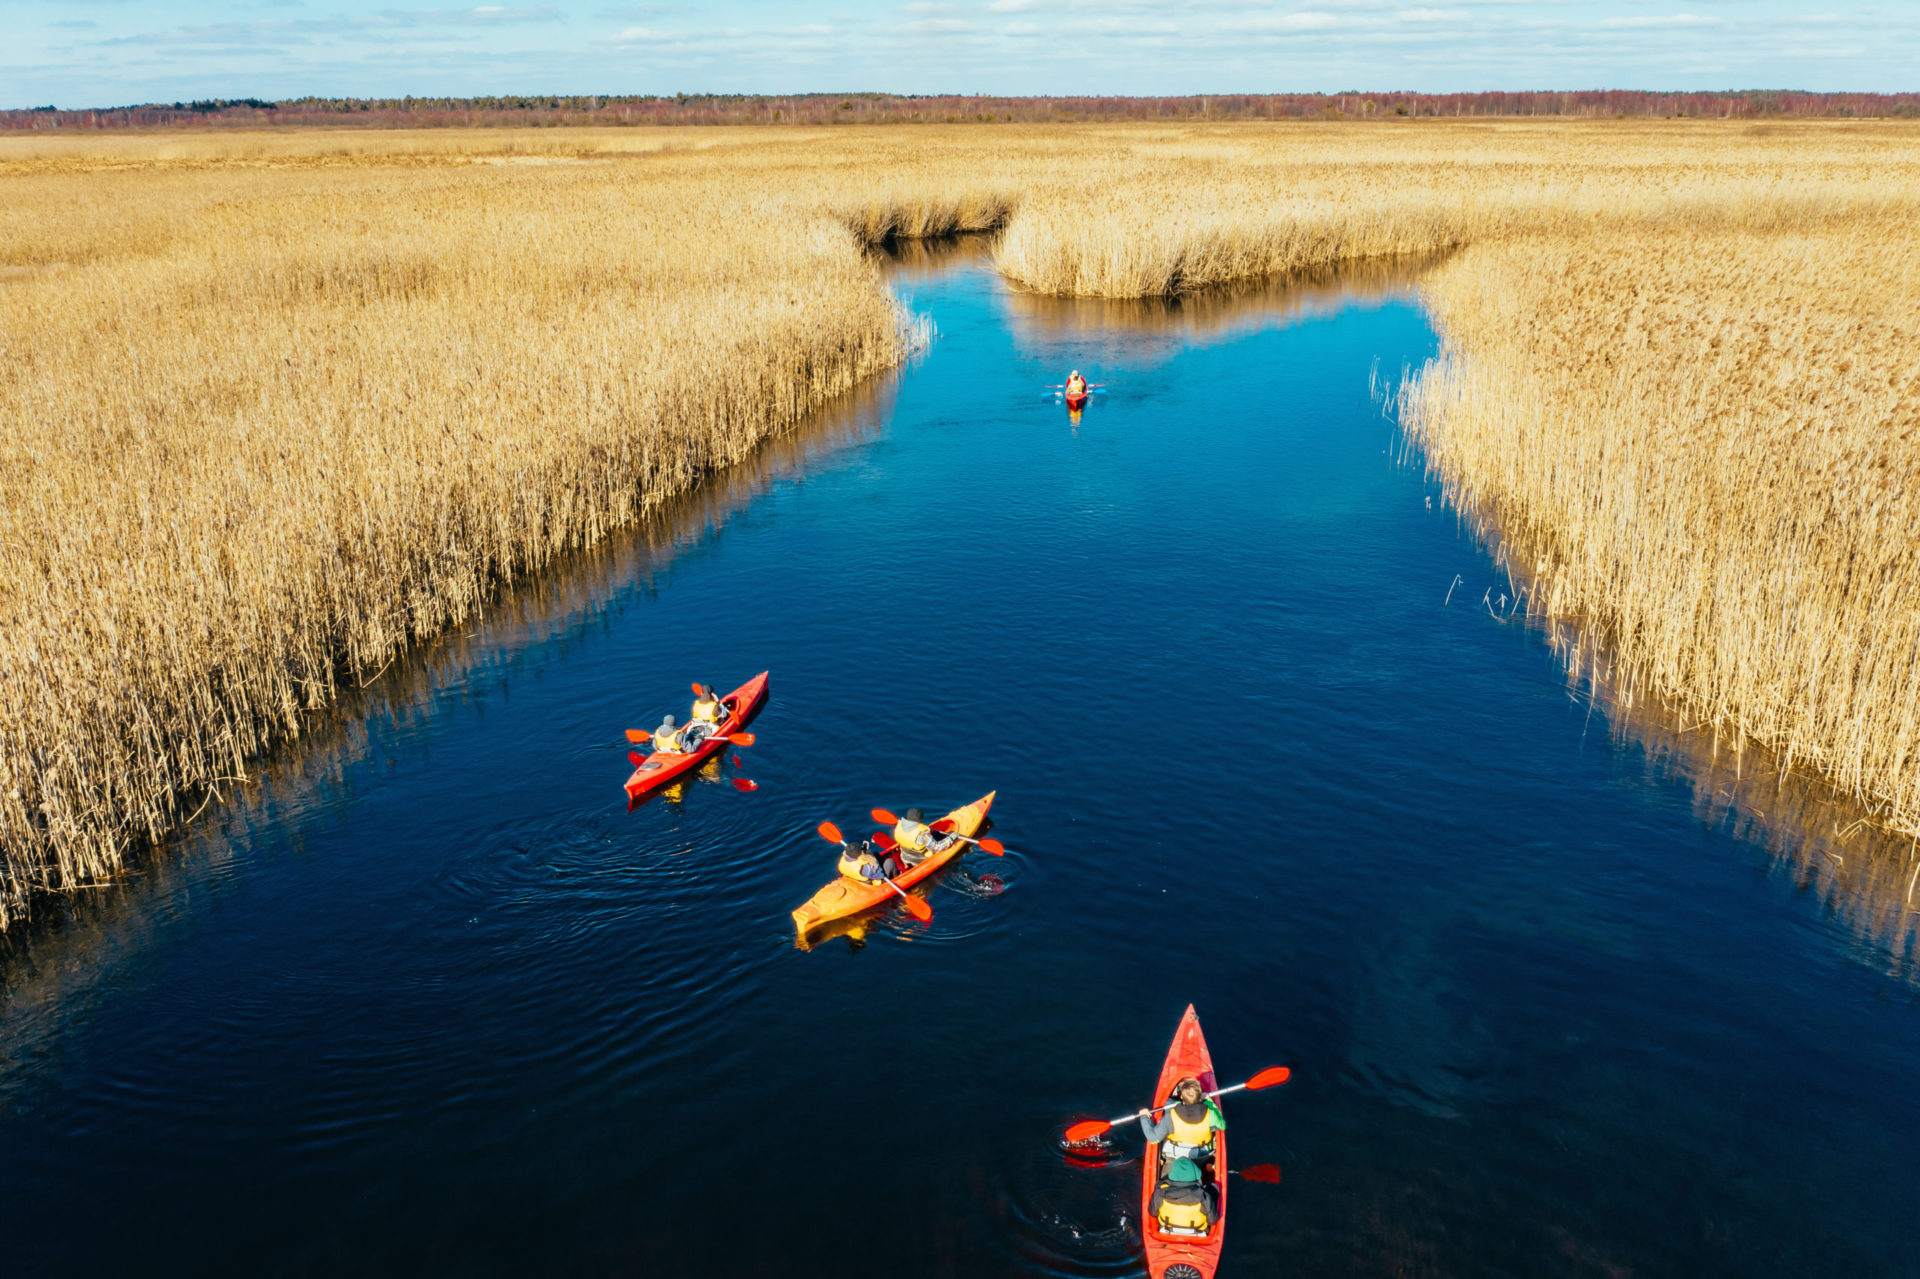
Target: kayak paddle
x,y
1088,1129
945,827
994,846
915,907
638,735
1269,1173
745,784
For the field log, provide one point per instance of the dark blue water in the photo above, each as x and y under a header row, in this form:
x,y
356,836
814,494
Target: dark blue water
x,y
428,1000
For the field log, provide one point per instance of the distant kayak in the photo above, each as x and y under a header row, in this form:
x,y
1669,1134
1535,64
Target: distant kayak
x,y
1171,1256
845,897
1078,400
657,769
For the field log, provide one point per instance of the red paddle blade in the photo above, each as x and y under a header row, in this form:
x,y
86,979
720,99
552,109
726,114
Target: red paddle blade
x,y
637,735
636,758
1087,1130
885,818
742,739
917,908
994,846
1270,1076
697,688
745,784
944,825
736,761
885,840
830,833
1269,1173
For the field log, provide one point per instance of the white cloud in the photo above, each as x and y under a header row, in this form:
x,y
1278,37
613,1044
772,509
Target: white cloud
x,y
1670,20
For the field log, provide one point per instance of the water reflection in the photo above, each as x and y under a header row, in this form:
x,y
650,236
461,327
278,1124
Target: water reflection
x,y
1829,844
1159,329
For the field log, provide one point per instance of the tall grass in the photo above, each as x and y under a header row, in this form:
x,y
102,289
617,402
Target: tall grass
x,y
1705,445
273,407
264,428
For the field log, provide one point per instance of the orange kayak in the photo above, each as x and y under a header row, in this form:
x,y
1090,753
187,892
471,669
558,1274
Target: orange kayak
x,y
845,896
657,769
1184,1256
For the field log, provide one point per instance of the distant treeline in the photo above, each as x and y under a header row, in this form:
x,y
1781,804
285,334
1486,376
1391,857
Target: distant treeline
x,y
881,108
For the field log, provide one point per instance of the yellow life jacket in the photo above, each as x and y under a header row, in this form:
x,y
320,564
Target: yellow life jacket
x,y
668,742
1184,1216
851,860
916,836
1075,385
709,711
1198,1132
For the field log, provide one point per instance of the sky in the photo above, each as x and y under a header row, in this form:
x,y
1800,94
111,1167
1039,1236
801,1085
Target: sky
x,y
84,53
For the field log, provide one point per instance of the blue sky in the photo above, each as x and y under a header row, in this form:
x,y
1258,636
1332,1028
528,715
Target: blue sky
x,y
108,52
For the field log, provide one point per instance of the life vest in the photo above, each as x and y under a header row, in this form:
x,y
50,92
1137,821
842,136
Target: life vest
x,y
914,836
1192,1125
1075,385
1184,1208
711,711
852,859
667,741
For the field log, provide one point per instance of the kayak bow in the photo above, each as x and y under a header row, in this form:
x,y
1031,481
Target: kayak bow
x,y
1184,1256
845,897
657,769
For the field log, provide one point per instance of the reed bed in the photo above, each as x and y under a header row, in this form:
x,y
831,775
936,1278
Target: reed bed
x,y
275,407
1705,446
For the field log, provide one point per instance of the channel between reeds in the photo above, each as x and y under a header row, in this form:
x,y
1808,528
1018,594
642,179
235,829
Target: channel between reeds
x,y
273,409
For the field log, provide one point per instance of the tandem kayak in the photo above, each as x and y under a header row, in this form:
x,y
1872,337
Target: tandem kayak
x,y
1184,1256
845,897
657,769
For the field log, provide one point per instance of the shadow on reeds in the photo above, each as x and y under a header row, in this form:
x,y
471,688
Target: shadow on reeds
x,y
76,940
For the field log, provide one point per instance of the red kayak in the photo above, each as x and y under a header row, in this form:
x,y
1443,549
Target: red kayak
x,y
1079,401
657,769
1184,1256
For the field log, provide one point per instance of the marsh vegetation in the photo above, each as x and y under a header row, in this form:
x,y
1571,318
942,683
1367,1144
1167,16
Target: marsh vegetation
x,y
273,408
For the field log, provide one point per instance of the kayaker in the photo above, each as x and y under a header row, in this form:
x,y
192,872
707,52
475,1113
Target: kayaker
x,y
1076,385
708,708
1182,1203
1185,1128
859,861
666,738
918,841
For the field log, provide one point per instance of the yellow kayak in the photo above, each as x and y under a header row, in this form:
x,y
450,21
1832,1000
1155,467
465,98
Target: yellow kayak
x,y
845,896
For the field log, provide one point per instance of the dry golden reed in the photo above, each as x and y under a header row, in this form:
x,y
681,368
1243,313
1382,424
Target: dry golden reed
x,y
1706,447
272,408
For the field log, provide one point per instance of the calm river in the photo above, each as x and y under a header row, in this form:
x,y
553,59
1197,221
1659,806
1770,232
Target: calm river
x,y
428,1000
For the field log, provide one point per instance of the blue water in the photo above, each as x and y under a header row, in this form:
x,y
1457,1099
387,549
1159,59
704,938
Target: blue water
x,y
426,999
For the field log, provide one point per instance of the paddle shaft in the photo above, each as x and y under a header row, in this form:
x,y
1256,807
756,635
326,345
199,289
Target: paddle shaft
x,y
965,839
1157,1109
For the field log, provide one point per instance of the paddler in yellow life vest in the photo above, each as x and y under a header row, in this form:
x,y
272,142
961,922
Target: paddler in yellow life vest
x,y
1185,1128
859,862
918,841
1076,385
666,738
1182,1203
708,708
